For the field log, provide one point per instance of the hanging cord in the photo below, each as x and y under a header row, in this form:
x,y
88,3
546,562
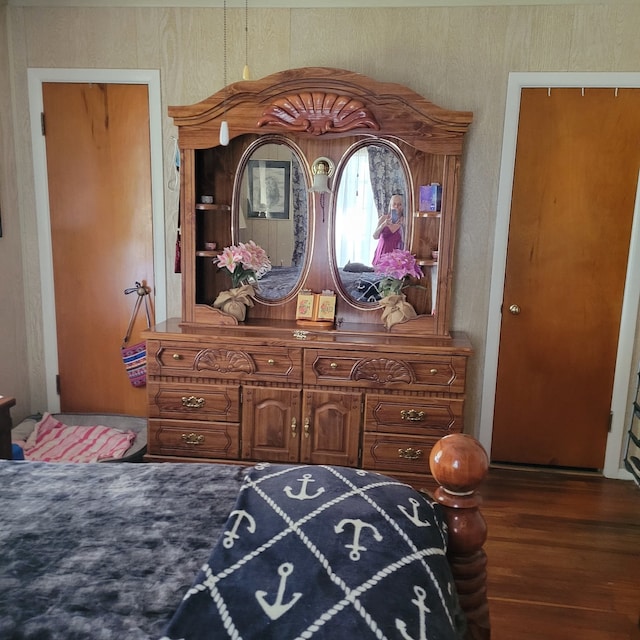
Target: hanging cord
x,y
246,74
224,45
174,161
142,292
174,186
224,125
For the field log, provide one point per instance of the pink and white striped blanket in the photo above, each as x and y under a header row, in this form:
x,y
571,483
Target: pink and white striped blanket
x,y
53,441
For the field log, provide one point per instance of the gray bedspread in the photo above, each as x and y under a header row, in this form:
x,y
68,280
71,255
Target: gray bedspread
x,y
104,550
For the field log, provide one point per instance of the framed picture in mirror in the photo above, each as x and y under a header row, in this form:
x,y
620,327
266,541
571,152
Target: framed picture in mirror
x,y
269,189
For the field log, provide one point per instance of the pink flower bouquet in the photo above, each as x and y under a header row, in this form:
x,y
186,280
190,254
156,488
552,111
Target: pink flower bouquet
x,y
246,262
396,267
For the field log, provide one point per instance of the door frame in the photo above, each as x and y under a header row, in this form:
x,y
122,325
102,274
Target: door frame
x,y
613,466
36,77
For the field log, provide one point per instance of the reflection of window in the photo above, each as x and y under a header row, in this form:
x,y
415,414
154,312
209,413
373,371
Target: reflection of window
x,y
358,216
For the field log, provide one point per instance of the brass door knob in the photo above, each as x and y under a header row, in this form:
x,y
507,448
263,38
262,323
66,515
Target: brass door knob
x,y
514,309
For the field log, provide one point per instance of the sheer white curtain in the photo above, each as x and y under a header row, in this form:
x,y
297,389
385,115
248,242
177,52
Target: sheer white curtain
x,y
356,213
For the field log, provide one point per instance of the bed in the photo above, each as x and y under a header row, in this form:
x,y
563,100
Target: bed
x,y
281,281
189,550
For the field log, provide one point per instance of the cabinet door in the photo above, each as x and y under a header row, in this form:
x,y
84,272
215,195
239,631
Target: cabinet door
x,y
270,424
331,428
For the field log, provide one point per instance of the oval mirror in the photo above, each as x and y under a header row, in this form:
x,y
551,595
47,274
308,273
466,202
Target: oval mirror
x,y
271,209
370,216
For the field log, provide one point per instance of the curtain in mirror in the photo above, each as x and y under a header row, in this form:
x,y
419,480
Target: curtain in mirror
x,y
359,214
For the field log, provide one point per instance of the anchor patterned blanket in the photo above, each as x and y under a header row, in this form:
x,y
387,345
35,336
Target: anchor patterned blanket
x,y
324,552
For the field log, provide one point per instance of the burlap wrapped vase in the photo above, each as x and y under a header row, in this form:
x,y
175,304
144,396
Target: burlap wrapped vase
x,y
395,308
235,301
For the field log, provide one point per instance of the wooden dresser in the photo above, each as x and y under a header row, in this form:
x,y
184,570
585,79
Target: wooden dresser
x,y
270,389
290,395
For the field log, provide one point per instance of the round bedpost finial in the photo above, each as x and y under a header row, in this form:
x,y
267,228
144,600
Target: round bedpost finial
x,y
458,463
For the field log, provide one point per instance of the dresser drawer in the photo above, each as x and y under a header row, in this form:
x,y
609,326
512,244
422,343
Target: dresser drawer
x,y
193,439
255,363
214,403
413,415
435,373
390,452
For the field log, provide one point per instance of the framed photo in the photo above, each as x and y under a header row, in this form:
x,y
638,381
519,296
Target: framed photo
x,y
269,189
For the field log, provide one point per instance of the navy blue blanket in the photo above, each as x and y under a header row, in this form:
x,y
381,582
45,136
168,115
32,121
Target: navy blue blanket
x,y
324,552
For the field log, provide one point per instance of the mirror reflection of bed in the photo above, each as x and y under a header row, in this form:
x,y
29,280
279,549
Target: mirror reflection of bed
x,y
358,280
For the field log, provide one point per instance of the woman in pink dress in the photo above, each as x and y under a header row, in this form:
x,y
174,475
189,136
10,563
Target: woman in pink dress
x,y
390,230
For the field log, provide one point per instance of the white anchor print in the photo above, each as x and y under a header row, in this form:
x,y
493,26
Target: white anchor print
x,y
401,625
278,608
303,495
232,535
414,517
358,526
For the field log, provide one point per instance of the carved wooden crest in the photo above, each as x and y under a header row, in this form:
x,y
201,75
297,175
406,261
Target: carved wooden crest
x,y
318,112
224,361
383,370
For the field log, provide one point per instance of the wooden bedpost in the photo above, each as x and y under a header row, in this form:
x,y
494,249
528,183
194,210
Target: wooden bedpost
x,y
459,464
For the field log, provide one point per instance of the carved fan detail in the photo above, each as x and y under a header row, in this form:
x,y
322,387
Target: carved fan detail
x,y
383,370
224,361
318,113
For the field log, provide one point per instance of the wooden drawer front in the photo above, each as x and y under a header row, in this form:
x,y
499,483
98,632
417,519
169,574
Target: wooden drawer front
x,y
193,439
389,452
194,402
411,415
277,365
444,373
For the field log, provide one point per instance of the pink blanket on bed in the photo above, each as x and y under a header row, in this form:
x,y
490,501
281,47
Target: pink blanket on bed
x,y
53,441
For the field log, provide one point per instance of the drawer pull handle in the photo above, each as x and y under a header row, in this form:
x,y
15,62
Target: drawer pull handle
x,y
177,356
271,362
192,402
307,427
193,438
410,454
294,427
433,372
334,365
412,415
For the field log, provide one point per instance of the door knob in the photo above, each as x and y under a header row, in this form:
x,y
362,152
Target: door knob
x,y
514,309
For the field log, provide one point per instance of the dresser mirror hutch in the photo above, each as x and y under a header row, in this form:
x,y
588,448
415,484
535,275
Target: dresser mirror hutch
x,y
351,393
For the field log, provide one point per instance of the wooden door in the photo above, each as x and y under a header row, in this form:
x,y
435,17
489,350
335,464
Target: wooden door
x,y
99,176
270,424
331,428
573,196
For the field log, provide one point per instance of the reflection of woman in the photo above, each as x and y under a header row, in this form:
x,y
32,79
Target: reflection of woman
x,y
389,231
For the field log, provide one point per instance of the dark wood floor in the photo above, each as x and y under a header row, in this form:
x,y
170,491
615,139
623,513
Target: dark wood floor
x,y
564,556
